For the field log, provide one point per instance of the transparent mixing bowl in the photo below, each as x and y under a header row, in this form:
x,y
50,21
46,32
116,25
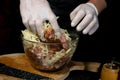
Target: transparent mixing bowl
x,y
50,56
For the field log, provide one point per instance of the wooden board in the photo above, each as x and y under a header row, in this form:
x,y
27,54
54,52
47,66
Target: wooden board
x,y
20,61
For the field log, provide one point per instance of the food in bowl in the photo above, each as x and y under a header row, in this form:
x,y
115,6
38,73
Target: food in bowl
x,y
52,53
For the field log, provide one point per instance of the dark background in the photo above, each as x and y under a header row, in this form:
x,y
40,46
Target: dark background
x,y
101,46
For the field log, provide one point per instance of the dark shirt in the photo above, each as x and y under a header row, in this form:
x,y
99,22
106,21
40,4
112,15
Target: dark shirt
x,y
64,7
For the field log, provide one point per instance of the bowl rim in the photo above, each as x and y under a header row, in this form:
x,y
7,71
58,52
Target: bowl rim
x,y
72,34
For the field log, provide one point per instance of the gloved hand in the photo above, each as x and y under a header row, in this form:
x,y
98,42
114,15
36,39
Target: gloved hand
x,y
85,18
34,12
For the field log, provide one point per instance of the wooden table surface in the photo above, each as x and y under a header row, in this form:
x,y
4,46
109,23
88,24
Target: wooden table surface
x,y
20,61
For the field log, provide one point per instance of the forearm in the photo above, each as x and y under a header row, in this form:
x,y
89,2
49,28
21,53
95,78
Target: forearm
x,y
100,4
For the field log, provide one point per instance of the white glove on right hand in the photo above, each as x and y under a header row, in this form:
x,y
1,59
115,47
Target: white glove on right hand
x,y
85,17
34,12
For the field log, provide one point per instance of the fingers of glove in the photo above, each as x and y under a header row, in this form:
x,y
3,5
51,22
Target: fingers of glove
x,y
93,29
77,18
25,18
90,25
32,25
73,13
25,21
26,24
39,29
85,22
55,26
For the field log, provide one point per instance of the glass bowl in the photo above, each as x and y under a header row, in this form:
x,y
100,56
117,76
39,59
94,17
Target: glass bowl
x,y
50,56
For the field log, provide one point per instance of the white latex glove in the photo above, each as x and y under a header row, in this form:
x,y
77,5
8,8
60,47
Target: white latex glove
x,y
34,12
85,17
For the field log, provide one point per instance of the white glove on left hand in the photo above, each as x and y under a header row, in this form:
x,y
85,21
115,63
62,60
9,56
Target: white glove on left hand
x,y
85,16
